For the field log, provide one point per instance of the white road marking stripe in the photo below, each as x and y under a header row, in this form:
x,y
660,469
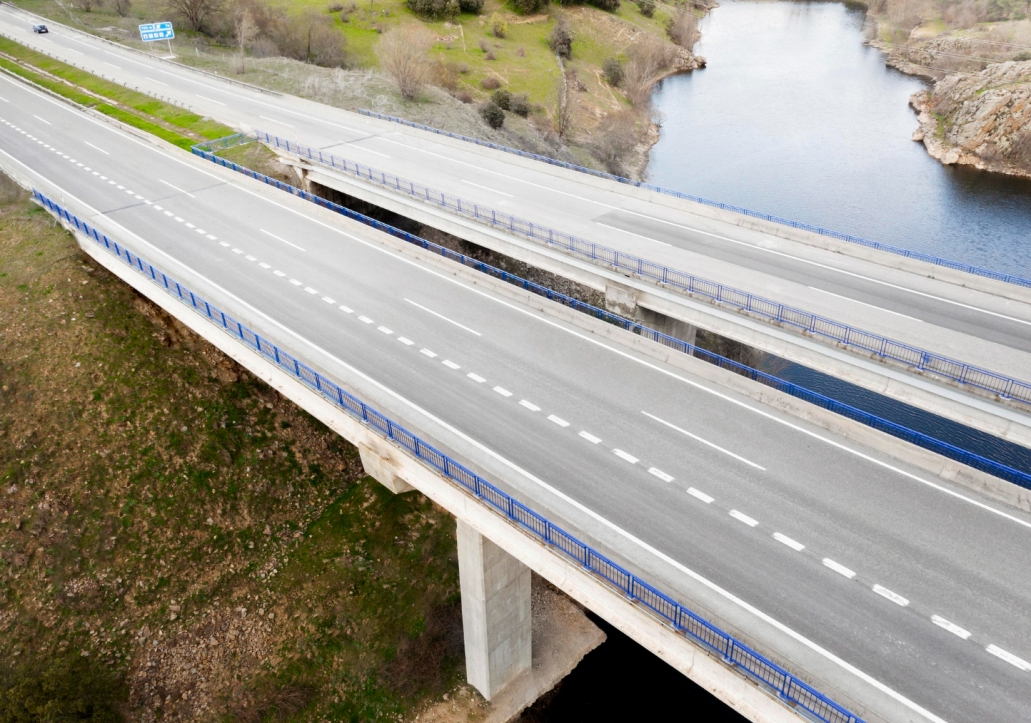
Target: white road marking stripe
x,y
706,442
793,544
476,378
346,310
450,364
385,330
625,455
238,251
365,319
951,627
223,243
179,219
209,99
529,405
42,119
188,225
97,148
450,321
707,499
264,265
863,303
590,437
116,185
111,64
169,213
363,148
275,121
503,392
250,258
406,341
213,238
751,522
156,81
328,300
631,233
839,568
277,272
428,353
893,596
558,420
492,190
658,473
277,238
295,282
1009,658
310,290
176,188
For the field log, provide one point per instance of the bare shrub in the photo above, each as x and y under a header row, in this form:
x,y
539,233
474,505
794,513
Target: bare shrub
x,y
615,140
311,38
649,59
484,45
964,14
490,55
275,704
87,6
905,14
683,28
490,83
464,96
244,30
521,52
402,51
195,13
264,47
123,7
445,74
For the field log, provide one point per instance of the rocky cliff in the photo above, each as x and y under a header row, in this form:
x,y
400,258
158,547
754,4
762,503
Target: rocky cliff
x,y
981,119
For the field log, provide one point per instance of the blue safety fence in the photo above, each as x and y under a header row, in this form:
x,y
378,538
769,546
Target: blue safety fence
x,y
898,251
849,337
791,689
896,430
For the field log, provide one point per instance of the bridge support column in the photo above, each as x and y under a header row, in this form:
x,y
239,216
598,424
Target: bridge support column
x,y
621,300
383,470
495,612
667,324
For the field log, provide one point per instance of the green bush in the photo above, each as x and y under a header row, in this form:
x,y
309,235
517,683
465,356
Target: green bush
x,y
561,40
444,8
647,7
64,690
529,7
492,116
613,70
1019,57
520,105
502,99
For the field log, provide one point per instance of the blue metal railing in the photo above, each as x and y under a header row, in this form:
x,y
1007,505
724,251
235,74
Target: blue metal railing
x,y
896,250
789,688
896,430
849,337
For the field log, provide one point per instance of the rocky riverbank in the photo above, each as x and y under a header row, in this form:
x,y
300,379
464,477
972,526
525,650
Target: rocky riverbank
x,y
979,119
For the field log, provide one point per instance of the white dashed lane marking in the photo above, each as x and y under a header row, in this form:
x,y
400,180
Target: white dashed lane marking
x,y
698,494
346,310
893,596
427,352
784,539
951,627
277,272
384,329
1009,658
328,300
741,516
310,290
625,456
450,364
589,437
658,473
503,392
476,378
365,319
529,405
839,568
558,420
405,340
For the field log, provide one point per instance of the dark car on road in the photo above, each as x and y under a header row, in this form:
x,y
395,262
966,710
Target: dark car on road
x,y
40,29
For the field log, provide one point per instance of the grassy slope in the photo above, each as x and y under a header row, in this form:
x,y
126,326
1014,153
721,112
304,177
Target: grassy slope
x,y
172,519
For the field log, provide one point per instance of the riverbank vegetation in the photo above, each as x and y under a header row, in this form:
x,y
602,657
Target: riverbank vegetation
x,y
456,54
180,543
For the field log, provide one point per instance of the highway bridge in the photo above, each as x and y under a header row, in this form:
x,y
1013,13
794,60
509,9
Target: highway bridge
x,y
867,295
899,594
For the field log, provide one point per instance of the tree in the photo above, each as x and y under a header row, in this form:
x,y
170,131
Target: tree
x,y
195,13
403,54
529,7
87,5
683,28
650,57
122,7
245,30
561,39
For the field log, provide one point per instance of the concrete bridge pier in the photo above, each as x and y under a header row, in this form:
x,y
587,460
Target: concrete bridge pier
x,y
495,612
383,470
623,300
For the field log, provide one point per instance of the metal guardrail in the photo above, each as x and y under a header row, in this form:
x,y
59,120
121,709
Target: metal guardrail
x,y
856,340
788,687
1010,474
859,240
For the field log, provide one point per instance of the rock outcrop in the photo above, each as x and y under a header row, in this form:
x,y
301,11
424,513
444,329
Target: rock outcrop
x,y
980,119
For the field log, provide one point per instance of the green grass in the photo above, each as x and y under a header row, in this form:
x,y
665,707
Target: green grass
x,y
146,105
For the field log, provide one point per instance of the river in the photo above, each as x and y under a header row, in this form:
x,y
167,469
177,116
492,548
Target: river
x,y
794,116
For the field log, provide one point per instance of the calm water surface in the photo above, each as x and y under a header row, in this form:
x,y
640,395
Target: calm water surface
x,y
796,117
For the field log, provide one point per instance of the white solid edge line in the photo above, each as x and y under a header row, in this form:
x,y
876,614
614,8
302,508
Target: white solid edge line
x,y
863,303
646,238
825,266
742,517
695,437
176,188
552,490
441,316
951,627
793,544
893,596
1009,658
492,190
839,568
698,494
